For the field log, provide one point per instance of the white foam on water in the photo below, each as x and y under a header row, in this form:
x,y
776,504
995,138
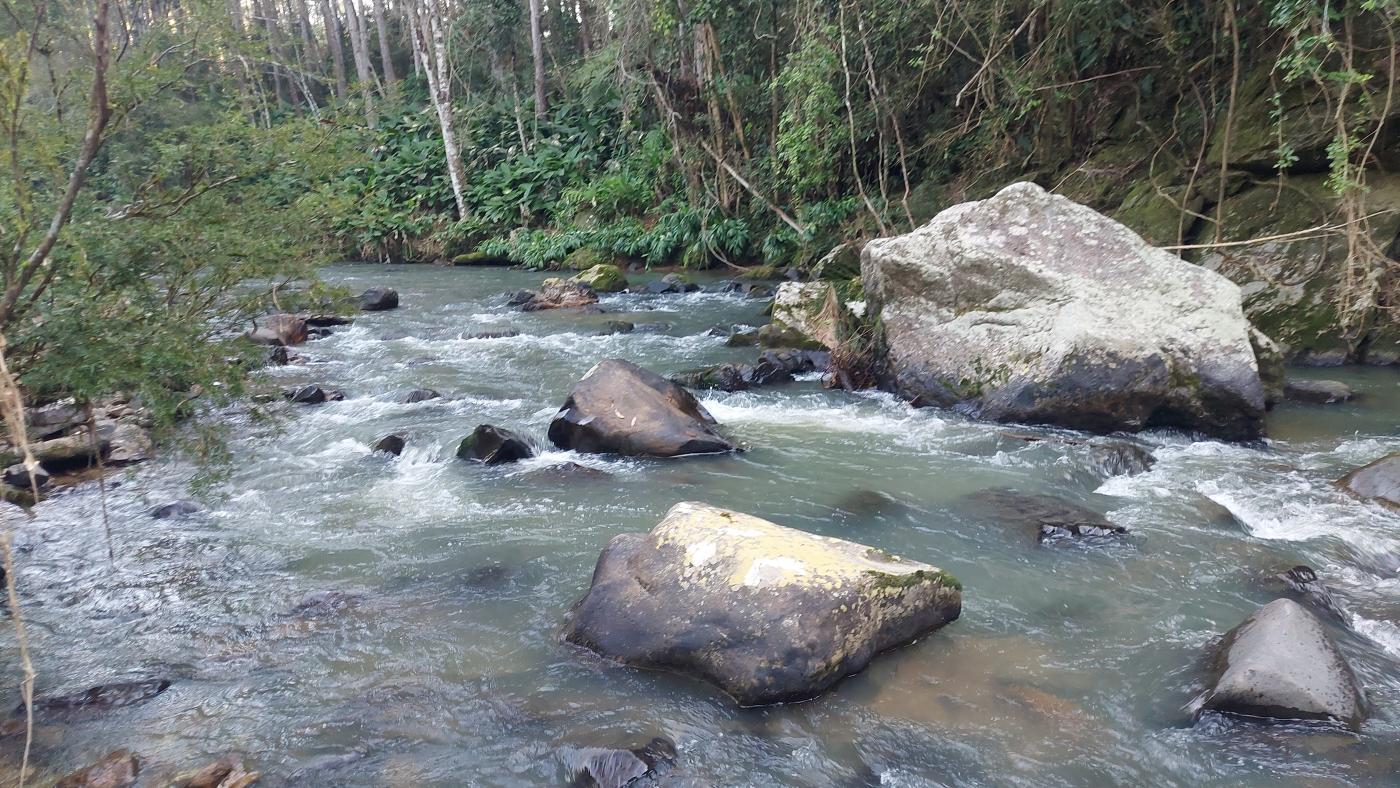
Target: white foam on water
x,y
906,425
1383,633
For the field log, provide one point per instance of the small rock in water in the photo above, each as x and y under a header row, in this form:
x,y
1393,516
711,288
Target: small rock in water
x,y
226,772
18,476
1110,457
378,299
118,769
100,697
416,395
1378,481
670,283
1304,582
492,445
863,503
1053,518
281,329
319,604
566,470
176,509
392,444
312,394
557,293
321,321
280,356
1317,392
742,338
617,768
519,297
492,334
617,327
1280,663
652,328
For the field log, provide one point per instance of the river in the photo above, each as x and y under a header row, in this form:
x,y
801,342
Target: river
x,y
350,618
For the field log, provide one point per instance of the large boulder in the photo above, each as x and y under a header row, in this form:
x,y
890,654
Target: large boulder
x,y
1029,307
1280,663
767,613
1318,392
620,408
603,278
1378,481
280,329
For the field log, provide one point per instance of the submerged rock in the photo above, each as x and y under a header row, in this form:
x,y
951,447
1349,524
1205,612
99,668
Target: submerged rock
x,y
767,613
620,408
1378,481
1272,367
416,395
393,443
279,330
1053,518
773,366
563,471
379,299
1317,392
616,767
226,772
1280,663
558,293
493,334
670,283
312,394
117,769
1029,307
175,510
617,327
1109,456
491,445
93,700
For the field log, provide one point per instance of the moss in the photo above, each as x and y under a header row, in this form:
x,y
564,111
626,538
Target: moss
x,y
584,259
915,578
776,336
481,258
759,273
603,278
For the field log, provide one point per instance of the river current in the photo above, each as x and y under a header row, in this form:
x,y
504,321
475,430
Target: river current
x,y
349,618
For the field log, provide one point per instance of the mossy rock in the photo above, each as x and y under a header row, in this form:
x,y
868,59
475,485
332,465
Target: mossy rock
x,y
583,259
841,264
774,335
1292,288
759,273
603,278
1162,218
479,258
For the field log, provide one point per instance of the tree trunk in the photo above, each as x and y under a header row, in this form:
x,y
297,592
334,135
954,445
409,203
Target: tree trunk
x,y
363,72
439,86
537,52
332,21
386,61
584,44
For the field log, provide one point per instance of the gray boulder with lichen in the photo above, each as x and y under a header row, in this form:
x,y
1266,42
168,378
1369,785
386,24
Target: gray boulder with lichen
x,y
1029,307
767,613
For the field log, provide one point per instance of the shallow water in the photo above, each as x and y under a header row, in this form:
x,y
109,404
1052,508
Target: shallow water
x,y
346,618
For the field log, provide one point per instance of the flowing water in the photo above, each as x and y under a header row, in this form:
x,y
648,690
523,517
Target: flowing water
x,y
351,618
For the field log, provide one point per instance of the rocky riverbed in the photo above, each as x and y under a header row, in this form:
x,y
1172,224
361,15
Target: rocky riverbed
x,y
344,616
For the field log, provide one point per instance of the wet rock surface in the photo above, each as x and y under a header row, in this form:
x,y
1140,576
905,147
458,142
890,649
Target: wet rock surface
x,y
1378,481
118,769
611,767
620,408
1280,663
1317,392
491,445
1304,583
391,444
312,394
416,395
765,612
176,510
558,294
379,299
670,284
1051,518
279,330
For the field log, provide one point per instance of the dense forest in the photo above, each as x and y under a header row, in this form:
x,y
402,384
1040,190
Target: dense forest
x,y
164,154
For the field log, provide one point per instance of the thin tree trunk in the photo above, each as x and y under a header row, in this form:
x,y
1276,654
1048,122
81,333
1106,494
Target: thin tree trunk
x,y
386,60
362,68
537,52
332,21
439,85
584,44
308,34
